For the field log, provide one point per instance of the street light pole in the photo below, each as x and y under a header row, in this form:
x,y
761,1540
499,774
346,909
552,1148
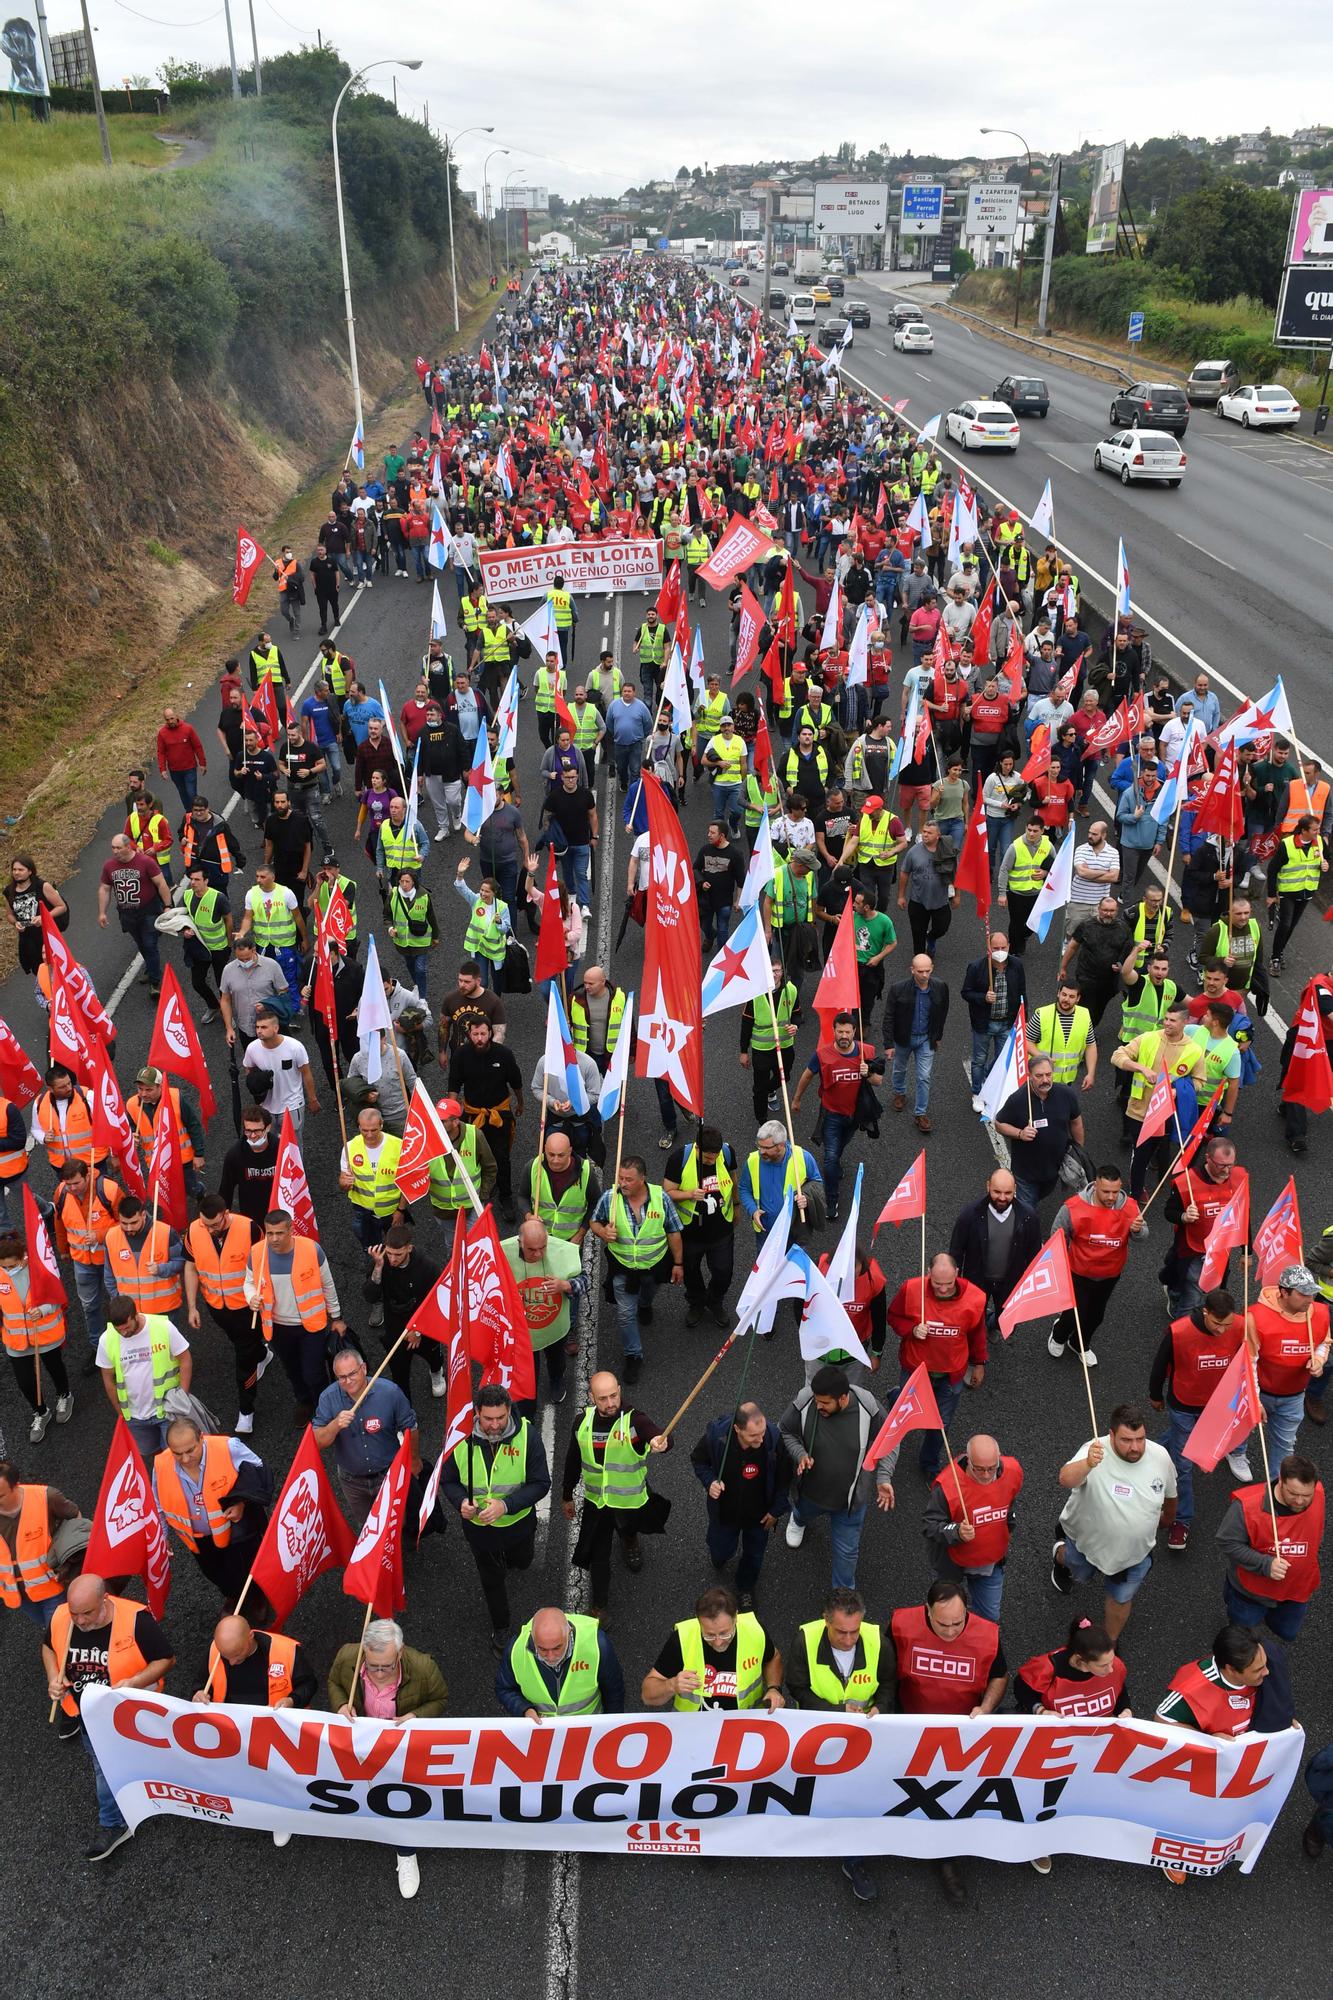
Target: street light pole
x,y
385,62
449,151
503,152
96,81
1005,132
231,50
254,43
505,205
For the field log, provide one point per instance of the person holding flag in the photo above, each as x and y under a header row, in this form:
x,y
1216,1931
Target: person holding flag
x,y
1199,1191
940,1322
840,1067
365,1419
1287,1331
494,1479
1040,1120
1193,1357
1271,1536
32,1319
994,991
1122,1489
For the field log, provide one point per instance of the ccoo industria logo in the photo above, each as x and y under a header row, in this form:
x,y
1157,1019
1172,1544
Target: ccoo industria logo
x,y
1194,1857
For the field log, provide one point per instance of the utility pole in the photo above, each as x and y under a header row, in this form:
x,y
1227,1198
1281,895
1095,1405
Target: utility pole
x,y
254,44
98,105
768,246
1048,249
231,50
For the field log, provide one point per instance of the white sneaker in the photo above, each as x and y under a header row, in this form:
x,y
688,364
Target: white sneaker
x,y
264,1360
977,1104
439,1382
1089,1357
65,1407
409,1876
795,1532
245,1423
443,833
37,1429
1054,1348
281,1839
1238,1465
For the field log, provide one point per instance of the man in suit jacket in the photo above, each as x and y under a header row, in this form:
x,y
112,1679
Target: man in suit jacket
x,y
994,988
914,1017
994,1240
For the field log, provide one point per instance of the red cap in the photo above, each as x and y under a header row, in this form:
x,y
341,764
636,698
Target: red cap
x,y
449,1107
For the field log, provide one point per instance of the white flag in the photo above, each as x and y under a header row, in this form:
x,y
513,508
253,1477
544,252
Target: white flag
x,y
613,1084
676,692
825,1326
1056,890
372,1014
541,628
439,624
831,637
772,1278
841,1272
1043,514
858,653
762,868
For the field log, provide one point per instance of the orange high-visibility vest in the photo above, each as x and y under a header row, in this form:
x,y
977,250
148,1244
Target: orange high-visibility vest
x,y
221,1266
27,1562
123,1655
142,1121
27,1329
306,1283
85,1229
219,1478
126,1267
76,1140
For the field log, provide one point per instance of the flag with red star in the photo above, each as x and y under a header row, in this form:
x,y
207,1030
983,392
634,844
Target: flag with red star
x,y
740,970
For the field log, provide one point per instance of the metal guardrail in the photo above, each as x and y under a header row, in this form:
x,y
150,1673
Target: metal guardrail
x,y
1040,345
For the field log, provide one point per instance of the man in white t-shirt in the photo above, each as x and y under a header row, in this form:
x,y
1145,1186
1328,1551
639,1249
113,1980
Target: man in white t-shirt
x,y
1096,872
125,1357
1121,1489
292,1085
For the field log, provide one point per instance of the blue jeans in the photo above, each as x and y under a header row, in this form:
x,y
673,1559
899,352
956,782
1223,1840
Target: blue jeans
x,y
419,550
986,1046
418,964
727,806
575,864
150,1435
1180,1423
1283,1618
722,1545
1284,1420
845,1525
109,1813
364,566
1122,1592
629,762
138,927
984,1593
948,1395
714,925
924,1056
666,1105
186,783
41,1614
627,1307
90,1279
1001,834
838,1129
952,829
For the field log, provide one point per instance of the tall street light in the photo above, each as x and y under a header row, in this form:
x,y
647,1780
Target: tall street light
x,y
1004,132
503,153
505,206
385,62
450,148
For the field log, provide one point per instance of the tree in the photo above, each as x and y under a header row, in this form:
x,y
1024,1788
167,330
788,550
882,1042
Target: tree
x,y
1228,239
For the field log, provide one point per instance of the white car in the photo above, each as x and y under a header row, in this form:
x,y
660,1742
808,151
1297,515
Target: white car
x,y
1153,455
983,427
915,338
1264,405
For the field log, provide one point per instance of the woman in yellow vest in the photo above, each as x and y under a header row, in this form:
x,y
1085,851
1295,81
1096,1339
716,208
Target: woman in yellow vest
x,y
34,1336
489,930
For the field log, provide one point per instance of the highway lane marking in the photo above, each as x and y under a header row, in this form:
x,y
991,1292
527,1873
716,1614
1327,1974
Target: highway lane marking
x,y
131,972
1085,567
1077,470
924,378
512,1878
1206,552
1322,544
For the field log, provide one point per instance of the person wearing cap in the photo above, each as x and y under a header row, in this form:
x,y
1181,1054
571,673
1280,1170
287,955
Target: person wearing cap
x,y
878,839
725,758
448,1189
1287,1330
141,1109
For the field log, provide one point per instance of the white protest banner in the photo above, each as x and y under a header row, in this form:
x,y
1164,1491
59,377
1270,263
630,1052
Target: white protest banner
x,y
632,563
1007,1788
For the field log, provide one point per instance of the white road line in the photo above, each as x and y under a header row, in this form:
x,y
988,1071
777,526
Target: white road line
x,y
924,378
544,1504
131,971
1077,470
1205,552
512,1878
1322,544
1085,568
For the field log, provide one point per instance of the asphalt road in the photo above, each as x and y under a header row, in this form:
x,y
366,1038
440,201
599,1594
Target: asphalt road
x,y
227,1910
1231,568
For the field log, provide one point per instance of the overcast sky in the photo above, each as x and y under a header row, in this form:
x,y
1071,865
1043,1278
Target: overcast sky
x,y
596,97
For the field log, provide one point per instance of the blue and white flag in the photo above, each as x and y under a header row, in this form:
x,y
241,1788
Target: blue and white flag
x,y
825,1325
841,1272
506,717
741,969
1056,890
1122,595
480,801
617,1073
357,452
762,867
562,1057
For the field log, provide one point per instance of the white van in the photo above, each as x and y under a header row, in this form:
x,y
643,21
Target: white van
x,y
802,308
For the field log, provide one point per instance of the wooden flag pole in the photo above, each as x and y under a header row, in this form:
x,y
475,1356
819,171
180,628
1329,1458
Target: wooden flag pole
x,y
379,1371
957,1480
361,1647
214,1660
398,1065
541,1129
1083,1358
715,1363
1260,1426
337,1085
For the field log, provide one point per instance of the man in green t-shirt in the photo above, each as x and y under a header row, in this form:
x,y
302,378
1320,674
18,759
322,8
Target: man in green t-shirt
x,y
393,465
875,939
549,1274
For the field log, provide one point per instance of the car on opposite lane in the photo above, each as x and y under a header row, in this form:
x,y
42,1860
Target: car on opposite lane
x,y
1261,406
1147,457
836,332
1026,395
857,312
914,338
982,426
1157,406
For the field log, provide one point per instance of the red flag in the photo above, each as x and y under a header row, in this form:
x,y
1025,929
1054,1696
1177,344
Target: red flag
x,y
1013,665
1278,1239
176,1047
265,705
1228,1417
564,714
762,751
915,1410
670,1039
306,1533
93,1015
1045,1288
336,922
290,1190
839,988
423,1141
1195,1136
45,1287
68,1043
374,1572
111,1123
1159,1111
972,874
772,668
668,597
496,1320
1229,1232
166,1169
748,633
1220,809
322,995
422,367
1039,753
1309,1078
908,1200
128,1538
981,624
249,556
739,545
786,607
19,1081
1108,735
552,956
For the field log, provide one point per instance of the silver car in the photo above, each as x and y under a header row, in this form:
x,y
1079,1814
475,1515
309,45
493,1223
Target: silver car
x,y
1210,380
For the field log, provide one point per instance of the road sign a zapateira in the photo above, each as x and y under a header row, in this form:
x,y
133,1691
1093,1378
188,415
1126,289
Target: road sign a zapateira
x,y
850,208
992,208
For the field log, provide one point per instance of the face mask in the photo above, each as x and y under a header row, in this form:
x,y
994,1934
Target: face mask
x,y
998,957
256,1145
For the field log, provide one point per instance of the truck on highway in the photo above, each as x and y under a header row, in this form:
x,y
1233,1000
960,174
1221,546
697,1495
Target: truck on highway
x,y
807,264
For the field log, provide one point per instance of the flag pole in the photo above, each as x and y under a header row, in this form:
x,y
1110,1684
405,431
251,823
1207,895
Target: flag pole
x,y
1083,1358
782,1080
379,1371
337,1089
1171,856
541,1129
740,1397
361,1647
716,1361
468,1181
1261,1425
957,1480
398,1065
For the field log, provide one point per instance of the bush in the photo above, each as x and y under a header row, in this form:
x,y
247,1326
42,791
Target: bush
x,y
183,297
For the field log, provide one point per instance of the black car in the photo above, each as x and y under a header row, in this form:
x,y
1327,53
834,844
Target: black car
x,y
781,270
1157,406
836,287
1026,395
858,314
777,299
832,330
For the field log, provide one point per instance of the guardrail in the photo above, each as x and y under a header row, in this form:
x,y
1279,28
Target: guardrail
x,y
1039,345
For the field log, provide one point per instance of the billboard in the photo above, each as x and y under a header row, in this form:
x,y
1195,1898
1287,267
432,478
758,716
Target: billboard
x,y
849,208
1104,203
992,208
796,207
527,197
922,210
1311,227
21,45
1305,307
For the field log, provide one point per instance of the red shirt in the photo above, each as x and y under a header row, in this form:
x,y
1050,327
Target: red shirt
x,y
942,1676
1199,1358
955,1328
1100,1240
412,715
179,748
1055,801
1210,1197
133,883
1198,1003
989,717
840,1075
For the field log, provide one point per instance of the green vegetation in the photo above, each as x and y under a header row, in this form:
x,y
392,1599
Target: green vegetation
x,y
169,558
31,149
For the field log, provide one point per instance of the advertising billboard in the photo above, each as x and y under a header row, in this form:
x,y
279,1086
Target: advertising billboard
x,y
21,45
922,210
849,208
1305,307
992,208
1104,203
1312,227
796,207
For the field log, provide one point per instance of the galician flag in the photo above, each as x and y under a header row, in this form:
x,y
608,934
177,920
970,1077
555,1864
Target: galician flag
x,y
357,449
1056,890
562,1058
613,1084
506,718
1121,582
480,801
439,624
760,872
741,969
